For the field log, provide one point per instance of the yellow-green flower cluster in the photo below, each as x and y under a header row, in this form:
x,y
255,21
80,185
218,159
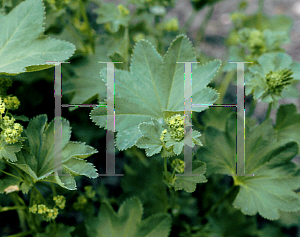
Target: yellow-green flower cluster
x,y
11,102
89,192
11,131
254,40
80,203
171,25
2,107
48,214
178,165
60,201
276,80
176,125
162,136
123,10
237,18
138,36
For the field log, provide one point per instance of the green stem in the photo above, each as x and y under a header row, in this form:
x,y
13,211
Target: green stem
x,y
252,107
203,26
213,207
26,233
190,20
224,86
41,195
17,169
53,189
165,165
21,213
11,175
3,209
268,111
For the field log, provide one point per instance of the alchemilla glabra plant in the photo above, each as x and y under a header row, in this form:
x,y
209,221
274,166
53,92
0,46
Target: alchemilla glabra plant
x,y
42,197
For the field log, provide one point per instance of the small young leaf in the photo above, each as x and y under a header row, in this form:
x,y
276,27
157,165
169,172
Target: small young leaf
x,y
188,183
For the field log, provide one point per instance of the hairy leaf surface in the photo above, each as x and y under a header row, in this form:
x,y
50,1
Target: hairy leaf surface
x,y
22,44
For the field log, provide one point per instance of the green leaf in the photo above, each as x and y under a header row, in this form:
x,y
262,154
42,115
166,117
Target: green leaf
x,y
188,183
86,84
37,158
288,124
127,222
150,141
155,86
271,187
23,44
8,151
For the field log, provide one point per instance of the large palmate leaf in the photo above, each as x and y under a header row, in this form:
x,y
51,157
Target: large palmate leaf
x,y
37,158
288,123
22,44
154,87
127,222
271,187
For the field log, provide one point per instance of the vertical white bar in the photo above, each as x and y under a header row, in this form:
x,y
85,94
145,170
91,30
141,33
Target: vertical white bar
x,y
110,141
188,157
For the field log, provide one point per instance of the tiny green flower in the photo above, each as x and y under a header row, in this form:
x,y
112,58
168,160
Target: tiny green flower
x,y
254,40
11,102
33,209
274,78
7,122
163,135
80,203
42,209
178,165
123,10
171,25
2,106
176,125
60,201
89,192
138,36
277,80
